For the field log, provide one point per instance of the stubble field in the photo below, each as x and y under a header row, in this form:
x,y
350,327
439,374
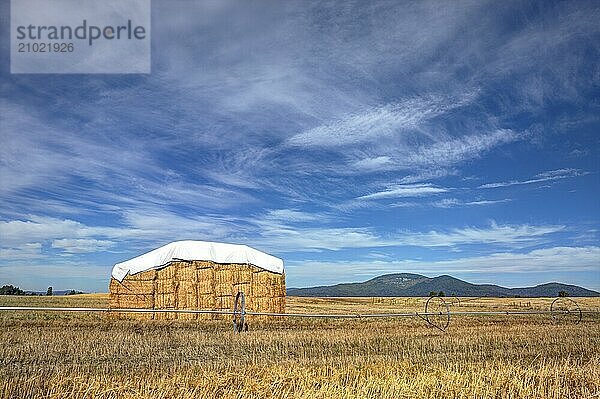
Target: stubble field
x,y
74,355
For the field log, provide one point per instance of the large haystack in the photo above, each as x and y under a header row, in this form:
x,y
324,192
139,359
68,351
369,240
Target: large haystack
x,y
198,275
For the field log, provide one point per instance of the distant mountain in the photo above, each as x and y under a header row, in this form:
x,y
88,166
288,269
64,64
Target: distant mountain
x,y
406,284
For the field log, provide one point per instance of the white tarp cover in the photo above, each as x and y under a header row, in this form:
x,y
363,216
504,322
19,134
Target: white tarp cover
x,y
197,250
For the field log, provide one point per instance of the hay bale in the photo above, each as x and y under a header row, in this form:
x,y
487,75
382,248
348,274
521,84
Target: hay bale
x,y
187,292
224,302
165,316
277,304
113,300
206,302
258,304
223,289
112,285
278,286
199,285
243,274
187,316
165,286
166,273
187,295
148,275
135,287
135,301
246,288
262,284
165,300
205,281
203,264
224,275
186,272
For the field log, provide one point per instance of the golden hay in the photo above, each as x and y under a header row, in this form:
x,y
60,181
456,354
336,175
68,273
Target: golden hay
x,y
200,285
148,275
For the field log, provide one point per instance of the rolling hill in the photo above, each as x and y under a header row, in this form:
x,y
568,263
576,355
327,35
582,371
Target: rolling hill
x,y
407,284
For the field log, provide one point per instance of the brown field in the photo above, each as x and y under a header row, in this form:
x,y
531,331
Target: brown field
x,y
74,355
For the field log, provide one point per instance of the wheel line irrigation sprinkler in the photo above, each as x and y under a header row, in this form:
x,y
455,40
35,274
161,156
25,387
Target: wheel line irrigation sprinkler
x,y
436,314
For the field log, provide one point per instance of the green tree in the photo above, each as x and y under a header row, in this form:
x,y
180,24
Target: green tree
x,y
49,291
563,294
441,293
11,290
432,293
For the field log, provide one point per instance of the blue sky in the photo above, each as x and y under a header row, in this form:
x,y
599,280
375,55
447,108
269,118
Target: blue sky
x,y
352,139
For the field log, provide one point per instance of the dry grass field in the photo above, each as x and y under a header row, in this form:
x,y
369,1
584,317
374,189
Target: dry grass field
x,y
74,355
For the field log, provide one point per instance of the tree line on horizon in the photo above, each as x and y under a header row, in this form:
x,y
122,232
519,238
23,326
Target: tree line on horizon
x,y
10,289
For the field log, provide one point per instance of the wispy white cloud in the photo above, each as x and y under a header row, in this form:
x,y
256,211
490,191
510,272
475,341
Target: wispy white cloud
x,y
428,174
494,235
550,175
41,228
294,215
120,171
439,157
82,245
23,238
453,202
291,237
448,203
405,190
28,251
406,204
579,153
280,231
285,238
378,122
374,164
448,152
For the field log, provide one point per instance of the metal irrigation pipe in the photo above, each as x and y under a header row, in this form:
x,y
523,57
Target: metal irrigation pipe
x,y
109,310
315,315
224,312
239,313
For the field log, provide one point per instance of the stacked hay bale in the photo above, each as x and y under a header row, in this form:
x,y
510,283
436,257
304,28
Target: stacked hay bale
x,y
199,285
205,289
135,292
165,294
268,292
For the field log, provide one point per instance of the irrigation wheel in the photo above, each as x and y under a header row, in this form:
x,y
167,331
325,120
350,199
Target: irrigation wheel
x,y
239,313
565,310
437,313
